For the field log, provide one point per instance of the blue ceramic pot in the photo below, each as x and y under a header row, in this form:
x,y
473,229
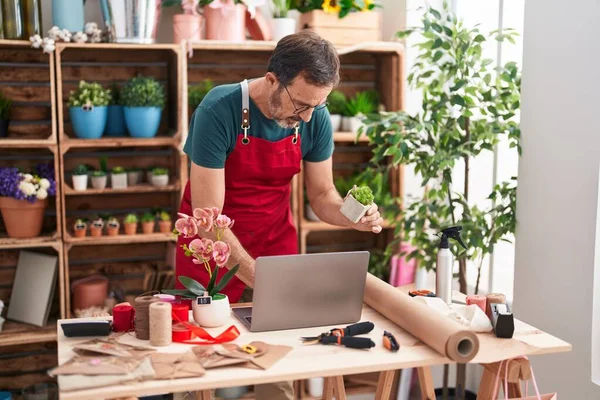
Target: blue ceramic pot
x,y
115,124
88,124
142,122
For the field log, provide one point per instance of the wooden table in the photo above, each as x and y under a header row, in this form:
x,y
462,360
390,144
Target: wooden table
x,y
314,361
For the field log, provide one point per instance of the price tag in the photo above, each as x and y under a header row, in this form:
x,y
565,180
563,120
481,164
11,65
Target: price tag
x,y
203,300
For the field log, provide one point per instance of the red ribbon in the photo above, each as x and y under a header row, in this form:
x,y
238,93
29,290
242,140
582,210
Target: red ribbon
x,y
185,332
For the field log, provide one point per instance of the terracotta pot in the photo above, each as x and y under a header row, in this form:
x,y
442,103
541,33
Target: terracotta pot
x,y
165,226
112,230
22,219
187,27
226,23
148,227
95,231
130,228
80,232
90,291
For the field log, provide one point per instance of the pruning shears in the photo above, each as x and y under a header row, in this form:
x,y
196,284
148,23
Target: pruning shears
x,y
345,336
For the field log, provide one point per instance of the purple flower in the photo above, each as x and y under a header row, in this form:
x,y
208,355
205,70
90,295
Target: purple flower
x,y
10,180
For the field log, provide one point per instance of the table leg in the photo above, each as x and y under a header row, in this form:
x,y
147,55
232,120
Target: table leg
x,y
426,383
328,388
384,386
334,386
203,395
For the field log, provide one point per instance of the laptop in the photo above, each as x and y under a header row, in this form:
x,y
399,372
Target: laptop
x,y
306,290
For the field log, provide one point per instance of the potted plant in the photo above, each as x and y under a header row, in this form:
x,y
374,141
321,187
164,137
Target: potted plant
x,y
96,227
187,25
80,228
143,99
196,94
80,178
336,103
24,198
225,20
148,221
99,179
5,105
160,177
164,222
115,120
357,202
357,108
118,178
88,108
130,224
149,173
134,176
112,226
215,311
281,24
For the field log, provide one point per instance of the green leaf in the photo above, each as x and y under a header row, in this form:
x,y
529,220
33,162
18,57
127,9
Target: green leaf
x,y
458,85
437,43
436,27
487,78
403,34
180,292
479,39
438,54
457,100
448,31
390,151
225,280
213,278
436,13
192,285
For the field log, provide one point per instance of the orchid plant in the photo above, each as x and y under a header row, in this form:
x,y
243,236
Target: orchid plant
x,y
204,250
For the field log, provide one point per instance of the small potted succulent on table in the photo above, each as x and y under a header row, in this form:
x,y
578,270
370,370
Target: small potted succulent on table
x,y
96,227
164,222
80,178
212,310
134,176
143,99
118,178
99,179
357,202
336,103
148,221
88,108
80,228
130,224
160,177
112,226
5,105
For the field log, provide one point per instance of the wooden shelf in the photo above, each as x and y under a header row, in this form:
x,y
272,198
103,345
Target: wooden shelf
x,y
27,143
141,188
349,137
121,239
16,333
121,142
40,241
308,226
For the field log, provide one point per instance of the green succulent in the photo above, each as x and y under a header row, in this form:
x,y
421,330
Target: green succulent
x,y
89,94
363,194
5,105
196,93
147,217
130,219
80,170
98,173
160,171
118,170
362,103
336,102
164,216
142,91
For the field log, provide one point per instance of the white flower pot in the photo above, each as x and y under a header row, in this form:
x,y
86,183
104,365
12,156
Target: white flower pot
x,y
80,182
160,180
354,123
119,181
149,176
310,214
315,387
282,27
353,209
212,315
99,182
133,178
346,124
336,122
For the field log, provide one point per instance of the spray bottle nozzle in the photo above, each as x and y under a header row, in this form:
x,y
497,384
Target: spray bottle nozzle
x,y
451,232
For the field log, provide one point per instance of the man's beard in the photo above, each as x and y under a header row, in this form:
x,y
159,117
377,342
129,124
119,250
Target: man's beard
x,y
277,115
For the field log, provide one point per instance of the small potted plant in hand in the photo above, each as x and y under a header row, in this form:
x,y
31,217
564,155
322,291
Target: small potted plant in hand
x,y
5,105
88,107
118,178
143,99
96,227
134,176
160,177
115,121
130,224
80,228
112,226
164,222
148,221
99,179
336,103
212,310
80,178
357,202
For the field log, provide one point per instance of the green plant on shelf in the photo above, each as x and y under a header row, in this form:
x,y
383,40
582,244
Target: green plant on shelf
x,y
160,171
142,91
362,103
80,223
118,170
130,219
114,95
89,94
5,105
148,217
98,174
363,194
98,222
104,164
336,102
282,7
196,93
164,216
112,222
340,7
80,170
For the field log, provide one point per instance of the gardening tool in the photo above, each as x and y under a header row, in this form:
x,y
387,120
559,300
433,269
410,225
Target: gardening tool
x,y
421,292
390,342
345,336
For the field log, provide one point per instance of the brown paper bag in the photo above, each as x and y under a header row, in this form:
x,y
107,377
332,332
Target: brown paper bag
x,y
173,366
231,354
102,365
538,396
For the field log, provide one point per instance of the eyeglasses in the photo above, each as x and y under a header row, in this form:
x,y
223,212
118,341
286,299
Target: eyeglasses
x,y
298,111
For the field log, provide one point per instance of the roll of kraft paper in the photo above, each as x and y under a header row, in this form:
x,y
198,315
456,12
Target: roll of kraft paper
x,y
434,329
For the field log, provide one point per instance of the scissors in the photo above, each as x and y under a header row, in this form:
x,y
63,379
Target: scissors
x,y
345,336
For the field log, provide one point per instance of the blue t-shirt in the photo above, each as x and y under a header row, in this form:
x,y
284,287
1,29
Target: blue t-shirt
x,y
217,121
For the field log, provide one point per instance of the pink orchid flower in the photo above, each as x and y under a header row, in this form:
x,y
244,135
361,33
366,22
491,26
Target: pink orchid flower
x,y
187,226
203,247
205,218
224,222
221,253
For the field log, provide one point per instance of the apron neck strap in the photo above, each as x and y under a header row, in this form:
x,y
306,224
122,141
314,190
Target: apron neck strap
x,y
245,109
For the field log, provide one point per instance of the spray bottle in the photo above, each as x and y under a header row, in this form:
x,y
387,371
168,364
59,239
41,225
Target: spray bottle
x,y
445,264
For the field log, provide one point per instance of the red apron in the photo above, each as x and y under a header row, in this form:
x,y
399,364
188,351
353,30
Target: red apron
x,y
258,176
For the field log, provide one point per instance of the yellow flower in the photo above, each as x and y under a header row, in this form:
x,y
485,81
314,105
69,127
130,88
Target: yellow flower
x,y
329,8
367,4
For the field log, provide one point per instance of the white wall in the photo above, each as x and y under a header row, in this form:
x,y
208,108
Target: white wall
x,y
558,182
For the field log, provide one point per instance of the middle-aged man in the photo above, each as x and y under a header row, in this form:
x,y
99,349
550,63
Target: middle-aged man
x,y
246,143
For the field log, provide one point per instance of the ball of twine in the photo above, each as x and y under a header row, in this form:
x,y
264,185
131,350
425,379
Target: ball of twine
x,y
160,324
142,318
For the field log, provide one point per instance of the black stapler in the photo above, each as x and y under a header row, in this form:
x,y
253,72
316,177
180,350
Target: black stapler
x,y
502,321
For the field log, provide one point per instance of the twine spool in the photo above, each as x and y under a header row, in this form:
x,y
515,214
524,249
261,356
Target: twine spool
x,y
491,298
123,318
181,312
478,299
160,324
142,318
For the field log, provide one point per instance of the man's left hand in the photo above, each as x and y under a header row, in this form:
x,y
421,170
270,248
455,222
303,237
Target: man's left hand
x,y
371,222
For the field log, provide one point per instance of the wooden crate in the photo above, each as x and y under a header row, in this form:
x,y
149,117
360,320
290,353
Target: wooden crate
x,y
352,29
27,78
25,365
113,63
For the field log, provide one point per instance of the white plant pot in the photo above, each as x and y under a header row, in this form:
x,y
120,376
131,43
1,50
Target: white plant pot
x,y
160,180
310,214
354,123
212,315
118,181
345,124
80,182
315,387
99,182
149,176
353,209
282,27
336,122
133,178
